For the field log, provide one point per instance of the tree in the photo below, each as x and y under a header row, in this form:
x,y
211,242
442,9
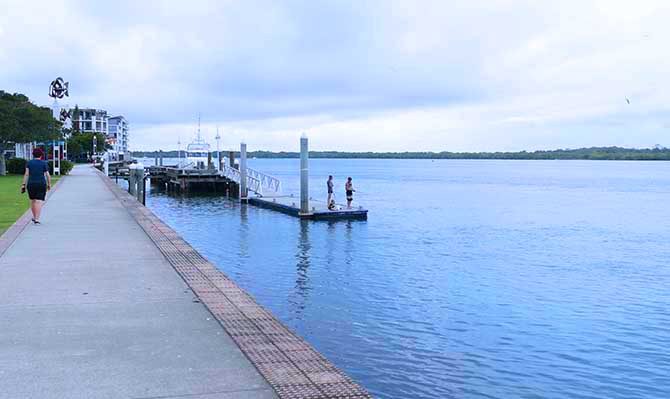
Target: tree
x,y
22,121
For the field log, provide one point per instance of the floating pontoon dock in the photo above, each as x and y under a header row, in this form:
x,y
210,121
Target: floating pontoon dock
x,y
318,210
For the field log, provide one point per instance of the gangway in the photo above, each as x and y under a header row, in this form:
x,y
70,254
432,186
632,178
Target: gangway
x,y
257,182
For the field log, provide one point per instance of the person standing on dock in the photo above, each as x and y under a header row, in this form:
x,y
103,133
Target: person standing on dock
x,y
38,183
349,190
330,185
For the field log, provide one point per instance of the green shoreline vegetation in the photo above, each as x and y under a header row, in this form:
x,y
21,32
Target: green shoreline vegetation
x,y
593,153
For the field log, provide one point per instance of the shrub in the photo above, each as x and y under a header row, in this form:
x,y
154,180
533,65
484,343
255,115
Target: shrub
x,y
16,166
65,167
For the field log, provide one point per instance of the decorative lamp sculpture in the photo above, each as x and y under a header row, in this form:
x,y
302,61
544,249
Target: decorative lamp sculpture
x,y
59,88
65,114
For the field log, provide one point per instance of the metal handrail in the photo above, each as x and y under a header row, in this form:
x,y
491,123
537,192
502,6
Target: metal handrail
x,y
270,182
185,164
257,182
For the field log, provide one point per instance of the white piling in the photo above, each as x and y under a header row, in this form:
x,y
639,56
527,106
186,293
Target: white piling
x,y
304,175
105,165
243,172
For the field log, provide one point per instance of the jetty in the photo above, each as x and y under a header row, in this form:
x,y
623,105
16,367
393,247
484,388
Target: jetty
x,y
239,181
104,300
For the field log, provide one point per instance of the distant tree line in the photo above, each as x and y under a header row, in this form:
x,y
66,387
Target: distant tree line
x,y
656,153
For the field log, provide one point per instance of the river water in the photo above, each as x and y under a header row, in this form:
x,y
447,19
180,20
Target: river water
x,y
470,279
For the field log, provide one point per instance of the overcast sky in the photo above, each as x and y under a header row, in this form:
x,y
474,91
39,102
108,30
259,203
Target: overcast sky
x,y
355,75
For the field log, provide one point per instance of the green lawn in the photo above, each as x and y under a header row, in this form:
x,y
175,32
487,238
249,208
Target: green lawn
x,y
12,202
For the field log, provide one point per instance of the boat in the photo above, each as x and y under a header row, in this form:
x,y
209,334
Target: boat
x,y
197,152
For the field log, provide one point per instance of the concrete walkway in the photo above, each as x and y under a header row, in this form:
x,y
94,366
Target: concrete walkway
x,y
90,308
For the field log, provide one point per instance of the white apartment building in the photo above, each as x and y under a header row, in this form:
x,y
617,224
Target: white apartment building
x,y
91,120
118,136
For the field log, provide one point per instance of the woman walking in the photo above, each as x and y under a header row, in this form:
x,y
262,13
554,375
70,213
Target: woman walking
x,y
38,181
349,190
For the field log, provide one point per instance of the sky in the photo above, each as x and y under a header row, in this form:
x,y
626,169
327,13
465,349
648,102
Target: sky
x,y
363,75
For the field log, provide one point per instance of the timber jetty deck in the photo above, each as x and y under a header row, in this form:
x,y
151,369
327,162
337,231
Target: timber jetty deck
x,y
116,304
182,180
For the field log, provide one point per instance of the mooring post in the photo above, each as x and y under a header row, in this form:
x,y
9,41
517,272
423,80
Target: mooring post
x,y
160,155
243,172
209,161
132,185
105,165
231,158
139,179
304,175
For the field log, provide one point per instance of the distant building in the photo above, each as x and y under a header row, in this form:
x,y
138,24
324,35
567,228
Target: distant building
x,y
91,120
118,136
24,150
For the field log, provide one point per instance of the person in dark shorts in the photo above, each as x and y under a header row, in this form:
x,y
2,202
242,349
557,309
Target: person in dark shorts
x,y
330,185
349,190
38,181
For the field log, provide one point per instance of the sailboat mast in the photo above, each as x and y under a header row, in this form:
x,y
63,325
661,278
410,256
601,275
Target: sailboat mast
x,y
199,138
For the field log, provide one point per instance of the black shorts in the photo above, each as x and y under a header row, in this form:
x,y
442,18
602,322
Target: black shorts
x,y
36,191
350,195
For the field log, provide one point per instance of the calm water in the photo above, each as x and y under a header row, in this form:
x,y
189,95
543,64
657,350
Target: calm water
x,y
471,279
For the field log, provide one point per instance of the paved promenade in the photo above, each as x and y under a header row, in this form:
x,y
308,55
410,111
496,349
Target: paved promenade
x,y
91,308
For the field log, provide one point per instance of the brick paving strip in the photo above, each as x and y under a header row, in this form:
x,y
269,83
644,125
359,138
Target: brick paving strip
x,y
9,236
293,368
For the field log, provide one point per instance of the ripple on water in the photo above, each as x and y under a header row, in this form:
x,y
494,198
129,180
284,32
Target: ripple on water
x,y
470,279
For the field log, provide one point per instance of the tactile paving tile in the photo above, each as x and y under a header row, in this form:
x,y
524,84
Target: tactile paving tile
x,y
290,365
342,389
240,327
307,391
327,377
285,337
282,374
251,344
266,356
305,355
315,366
293,346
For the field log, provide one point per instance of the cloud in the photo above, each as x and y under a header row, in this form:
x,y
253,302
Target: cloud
x,y
366,75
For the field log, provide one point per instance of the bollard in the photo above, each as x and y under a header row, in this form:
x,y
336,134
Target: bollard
x,y
243,172
139,180
105,165
132,183
304,175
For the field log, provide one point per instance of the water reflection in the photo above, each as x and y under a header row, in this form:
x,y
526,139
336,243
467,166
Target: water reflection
x,y
331,244
244,231
348,243
302,286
